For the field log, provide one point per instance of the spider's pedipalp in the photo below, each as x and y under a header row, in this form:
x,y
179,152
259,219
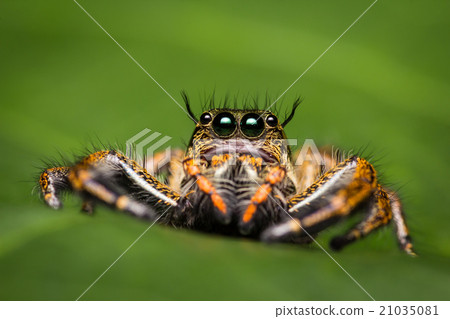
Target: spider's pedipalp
x,y
221,209
275,176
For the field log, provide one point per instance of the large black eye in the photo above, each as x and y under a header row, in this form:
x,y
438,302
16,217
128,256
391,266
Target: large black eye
x,y
224,124
272,120
252,125
205,118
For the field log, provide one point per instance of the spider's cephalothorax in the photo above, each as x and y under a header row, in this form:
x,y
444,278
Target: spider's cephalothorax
x,y
236,178
237,152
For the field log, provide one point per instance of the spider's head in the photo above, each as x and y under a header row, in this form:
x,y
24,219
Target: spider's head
x,y
258,133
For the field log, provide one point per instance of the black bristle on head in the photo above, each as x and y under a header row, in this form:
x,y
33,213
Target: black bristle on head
x,y
246,102
291,116
212,99
226,100
188,106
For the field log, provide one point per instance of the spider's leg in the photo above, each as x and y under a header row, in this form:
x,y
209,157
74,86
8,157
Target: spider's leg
x,y
162,161
336,194
167,165
273,177
401,228
307,174
382,208
100,176
312,167
53,181
380,214
221,209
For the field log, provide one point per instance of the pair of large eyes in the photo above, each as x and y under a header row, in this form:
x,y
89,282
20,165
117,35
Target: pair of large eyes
x,y
251,125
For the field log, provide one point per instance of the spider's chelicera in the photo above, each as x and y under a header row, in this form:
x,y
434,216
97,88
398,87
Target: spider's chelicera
x,y
237,177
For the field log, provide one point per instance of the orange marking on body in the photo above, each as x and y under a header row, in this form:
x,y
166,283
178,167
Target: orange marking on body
x,y
254,161
215,160
84,175
295,225
276,175
218,160
205,185
249,212
47,196
103,193
191,168
44,181
75,181
122,202
189,193
218,202
260,196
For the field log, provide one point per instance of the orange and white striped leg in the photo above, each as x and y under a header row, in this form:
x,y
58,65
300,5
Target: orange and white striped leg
x,y
93,178
335,195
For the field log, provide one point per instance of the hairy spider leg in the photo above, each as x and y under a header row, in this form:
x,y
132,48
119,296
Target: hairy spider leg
x,y
335,195
53,182
401,228
205,185
90,176
161,161
275,175
172,167
312,167
379,214
381,210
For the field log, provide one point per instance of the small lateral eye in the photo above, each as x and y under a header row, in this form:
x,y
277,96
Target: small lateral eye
x,y
224,124
252,125
205,118
272,120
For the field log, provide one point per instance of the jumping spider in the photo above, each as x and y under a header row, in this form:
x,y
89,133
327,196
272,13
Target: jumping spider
x,y
237,177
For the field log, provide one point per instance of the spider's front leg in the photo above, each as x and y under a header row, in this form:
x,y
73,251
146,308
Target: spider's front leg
x,y
335,195
103,176
382,208
53,182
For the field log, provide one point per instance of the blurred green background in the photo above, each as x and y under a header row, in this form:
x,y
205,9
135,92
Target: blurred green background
x,y
65,84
